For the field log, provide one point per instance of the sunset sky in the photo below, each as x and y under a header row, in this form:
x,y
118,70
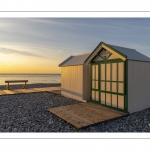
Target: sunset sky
x,y
39,45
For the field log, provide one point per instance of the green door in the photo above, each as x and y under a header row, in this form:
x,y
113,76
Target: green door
x,y
108,84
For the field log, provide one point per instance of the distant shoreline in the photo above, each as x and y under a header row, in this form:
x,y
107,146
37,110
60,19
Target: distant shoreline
x,y
28,74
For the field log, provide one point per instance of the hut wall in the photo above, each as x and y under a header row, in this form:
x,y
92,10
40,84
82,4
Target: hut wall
x,y
72,82
138,85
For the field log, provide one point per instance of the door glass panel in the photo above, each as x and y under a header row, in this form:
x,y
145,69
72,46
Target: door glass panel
x,y
93,95
108,99
120,101
120,88
110,79
120,71
114,71
96,84
97,96
102,98
93,84
96,67
108,72
114,87
107,86
114,100
93,71
102,86
102,71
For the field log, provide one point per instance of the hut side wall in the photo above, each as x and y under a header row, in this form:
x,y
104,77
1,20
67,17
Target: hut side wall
x,y
86,82
72,82
138,85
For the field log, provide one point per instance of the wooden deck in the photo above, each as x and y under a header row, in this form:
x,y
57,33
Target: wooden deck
x,y
85,114
55,90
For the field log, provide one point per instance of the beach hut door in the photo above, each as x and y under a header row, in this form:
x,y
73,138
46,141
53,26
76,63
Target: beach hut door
x,y
108,84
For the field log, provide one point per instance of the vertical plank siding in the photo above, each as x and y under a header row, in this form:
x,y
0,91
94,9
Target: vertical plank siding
x,y
138,85
72,82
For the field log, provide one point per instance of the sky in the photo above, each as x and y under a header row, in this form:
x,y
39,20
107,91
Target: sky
x,y
39,45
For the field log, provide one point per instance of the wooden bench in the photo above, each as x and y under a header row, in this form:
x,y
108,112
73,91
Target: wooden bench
x,y
15,81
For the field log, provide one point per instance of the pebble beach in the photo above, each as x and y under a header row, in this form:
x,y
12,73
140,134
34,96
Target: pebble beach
x,y
28,113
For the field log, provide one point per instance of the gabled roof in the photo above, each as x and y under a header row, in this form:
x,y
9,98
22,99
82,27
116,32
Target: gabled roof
x,y
75,60
131,54
125,53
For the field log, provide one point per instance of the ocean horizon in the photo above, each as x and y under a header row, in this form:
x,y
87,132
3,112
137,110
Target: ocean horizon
x,y
32,78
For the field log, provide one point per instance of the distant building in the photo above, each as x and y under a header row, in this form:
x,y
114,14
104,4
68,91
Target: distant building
x,y
112,76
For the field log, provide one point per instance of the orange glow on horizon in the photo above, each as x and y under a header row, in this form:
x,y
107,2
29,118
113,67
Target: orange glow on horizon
x,y
21,64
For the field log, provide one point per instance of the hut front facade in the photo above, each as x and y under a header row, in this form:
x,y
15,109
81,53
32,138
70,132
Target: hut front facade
x,y
112,76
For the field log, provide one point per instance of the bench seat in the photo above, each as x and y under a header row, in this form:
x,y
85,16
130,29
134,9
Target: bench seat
x,y
15,81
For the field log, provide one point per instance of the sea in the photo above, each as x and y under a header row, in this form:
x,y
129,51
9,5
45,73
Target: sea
x,y
32,78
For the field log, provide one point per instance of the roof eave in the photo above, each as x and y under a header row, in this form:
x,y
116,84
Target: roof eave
x,y
65,61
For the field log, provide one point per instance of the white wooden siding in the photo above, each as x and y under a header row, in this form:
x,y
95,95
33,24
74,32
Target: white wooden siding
x,y
138,85
72,82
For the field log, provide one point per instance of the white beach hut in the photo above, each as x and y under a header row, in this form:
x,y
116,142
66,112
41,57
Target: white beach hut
x,y
117,78
74,77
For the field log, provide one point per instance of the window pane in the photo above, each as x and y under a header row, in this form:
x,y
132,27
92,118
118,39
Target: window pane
x,y
93,95
107,71
114,71
107,86
108,99
120,71
102,98
114,100
93,84
114,87
120,102
120,88
102,71
102,86
97,96
96,67
93,71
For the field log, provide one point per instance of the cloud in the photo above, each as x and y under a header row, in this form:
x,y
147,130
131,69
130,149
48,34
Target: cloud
x,y
82,22
10,51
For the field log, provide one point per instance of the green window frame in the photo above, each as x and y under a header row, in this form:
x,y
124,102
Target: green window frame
x,y
117,93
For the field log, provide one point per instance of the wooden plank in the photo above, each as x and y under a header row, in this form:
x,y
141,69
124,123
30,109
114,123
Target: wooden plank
x,y
8,91
103,113
31,90
70,117
92,114
102,108
19,91
2,92
56,92
91,106
85,114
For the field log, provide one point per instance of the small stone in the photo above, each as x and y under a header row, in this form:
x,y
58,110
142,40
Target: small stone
x,y
15,129
149,124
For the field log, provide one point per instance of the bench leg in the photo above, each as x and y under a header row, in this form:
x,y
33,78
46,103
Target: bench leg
x,y
24,86
7,87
